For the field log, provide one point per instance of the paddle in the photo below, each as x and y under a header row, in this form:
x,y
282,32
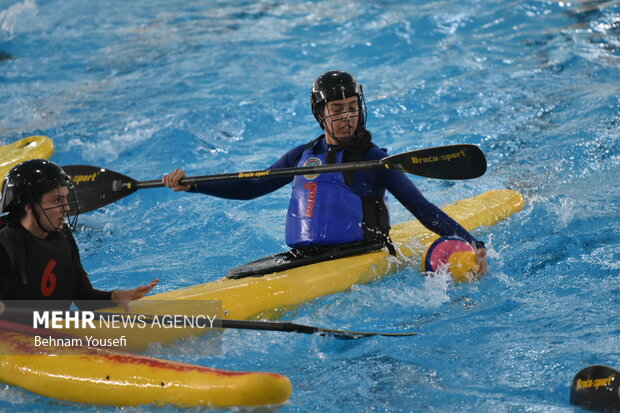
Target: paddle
x,y
597,388
97,187
300,328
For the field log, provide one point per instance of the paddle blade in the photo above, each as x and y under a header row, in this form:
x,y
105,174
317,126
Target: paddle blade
x,y
96,187
596,388
443,162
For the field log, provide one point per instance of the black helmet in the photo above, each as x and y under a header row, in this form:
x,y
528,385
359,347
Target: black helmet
x,y
28,181
336,85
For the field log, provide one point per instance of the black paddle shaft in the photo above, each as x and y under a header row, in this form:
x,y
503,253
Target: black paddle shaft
x,y
443,162
97,187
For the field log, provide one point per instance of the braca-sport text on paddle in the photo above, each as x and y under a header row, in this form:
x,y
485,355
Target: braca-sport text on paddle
x,y
97,187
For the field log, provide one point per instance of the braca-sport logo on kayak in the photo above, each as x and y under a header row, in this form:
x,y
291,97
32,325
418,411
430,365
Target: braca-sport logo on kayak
x,y
312,162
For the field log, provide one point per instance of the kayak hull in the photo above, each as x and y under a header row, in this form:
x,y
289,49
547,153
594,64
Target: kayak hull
x,y
100,377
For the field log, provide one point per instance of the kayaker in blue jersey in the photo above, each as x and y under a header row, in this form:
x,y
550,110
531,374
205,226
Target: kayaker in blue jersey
x,y
338,208
39,259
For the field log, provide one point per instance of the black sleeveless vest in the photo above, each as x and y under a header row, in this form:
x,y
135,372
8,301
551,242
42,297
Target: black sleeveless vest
x,y
39,268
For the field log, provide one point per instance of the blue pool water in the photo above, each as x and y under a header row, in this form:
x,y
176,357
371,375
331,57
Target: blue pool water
x,y
142,87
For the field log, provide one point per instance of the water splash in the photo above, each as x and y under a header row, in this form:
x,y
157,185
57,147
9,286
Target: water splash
x,y
433,292
8,17
136,132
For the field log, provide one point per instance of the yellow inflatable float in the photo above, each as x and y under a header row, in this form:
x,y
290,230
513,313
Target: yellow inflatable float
x,y
27,148
100,377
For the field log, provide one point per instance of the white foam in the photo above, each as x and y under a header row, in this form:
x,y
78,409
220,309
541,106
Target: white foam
x,y
136,132
434,291
8,17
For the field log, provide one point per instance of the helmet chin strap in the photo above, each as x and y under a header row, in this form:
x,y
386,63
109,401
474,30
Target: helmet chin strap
x,y
37,218
340,141
64,226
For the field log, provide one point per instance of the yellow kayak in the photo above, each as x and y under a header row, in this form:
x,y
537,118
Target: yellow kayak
x,y
270,295
19,151
93,376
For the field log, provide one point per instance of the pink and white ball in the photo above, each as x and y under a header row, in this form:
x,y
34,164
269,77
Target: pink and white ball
x,y
458,255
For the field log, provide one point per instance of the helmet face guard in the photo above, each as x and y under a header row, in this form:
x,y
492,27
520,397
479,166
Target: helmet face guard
x,y
27,182
68,204
337,86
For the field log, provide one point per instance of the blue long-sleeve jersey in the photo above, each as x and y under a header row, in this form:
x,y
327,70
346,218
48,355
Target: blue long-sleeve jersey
x,y
367,183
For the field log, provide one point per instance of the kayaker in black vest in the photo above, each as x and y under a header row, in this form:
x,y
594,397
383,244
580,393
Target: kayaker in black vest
x,y
39,259
346,208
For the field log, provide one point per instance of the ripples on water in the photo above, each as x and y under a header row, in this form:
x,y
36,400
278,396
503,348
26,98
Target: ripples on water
x,y
143,87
